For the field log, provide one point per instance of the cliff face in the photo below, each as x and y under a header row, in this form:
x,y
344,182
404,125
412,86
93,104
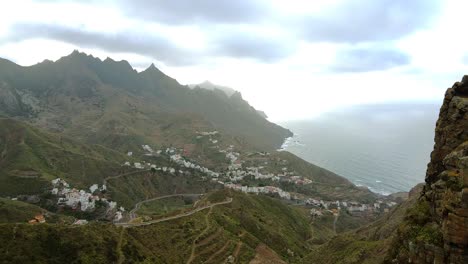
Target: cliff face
x,y
436,229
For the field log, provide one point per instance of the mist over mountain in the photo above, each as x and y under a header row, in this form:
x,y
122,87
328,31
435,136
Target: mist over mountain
x,y
210,86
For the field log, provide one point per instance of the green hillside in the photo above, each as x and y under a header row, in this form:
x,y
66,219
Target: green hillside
x,y
30,158
213,235
368,244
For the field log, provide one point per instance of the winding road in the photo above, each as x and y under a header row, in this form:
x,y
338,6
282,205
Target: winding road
x,y
174,216
124,174
137,206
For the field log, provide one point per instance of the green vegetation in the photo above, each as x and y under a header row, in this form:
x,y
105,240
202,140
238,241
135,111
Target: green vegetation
x,y
418,228
368,244
165,206
22,212
17,211
103,109
131,189
109,103
232,229
30,158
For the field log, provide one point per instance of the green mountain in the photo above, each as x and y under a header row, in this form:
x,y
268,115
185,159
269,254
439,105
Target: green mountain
x,y
211,190
109,103
30,158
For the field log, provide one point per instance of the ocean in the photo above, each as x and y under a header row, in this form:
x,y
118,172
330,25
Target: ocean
x,y
384,147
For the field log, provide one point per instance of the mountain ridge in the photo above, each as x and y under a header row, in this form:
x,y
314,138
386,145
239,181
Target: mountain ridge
x,y
80,82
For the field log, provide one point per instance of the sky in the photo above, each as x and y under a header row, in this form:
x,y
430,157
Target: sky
x,y
293,59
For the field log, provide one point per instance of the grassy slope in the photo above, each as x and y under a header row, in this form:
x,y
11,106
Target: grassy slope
x,y
233,229
365,245
21,212
29,158
327,185
134,188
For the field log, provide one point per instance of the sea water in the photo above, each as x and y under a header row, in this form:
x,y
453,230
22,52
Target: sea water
x,y
384,147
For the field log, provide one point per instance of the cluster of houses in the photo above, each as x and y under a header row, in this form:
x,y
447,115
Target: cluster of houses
x,y
83,200
178,159
210,135
236,173
353,207
254,172
258,190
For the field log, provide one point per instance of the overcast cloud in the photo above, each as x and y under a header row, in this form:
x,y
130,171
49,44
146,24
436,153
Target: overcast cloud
x,y
284,56
254,45
366,59
199,11
370,20
151,45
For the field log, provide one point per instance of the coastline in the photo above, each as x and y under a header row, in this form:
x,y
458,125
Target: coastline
x,y
294,141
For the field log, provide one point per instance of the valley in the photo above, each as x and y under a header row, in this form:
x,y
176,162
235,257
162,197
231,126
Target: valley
x,y
116,166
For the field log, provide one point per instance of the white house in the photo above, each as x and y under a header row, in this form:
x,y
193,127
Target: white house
x,y
93,188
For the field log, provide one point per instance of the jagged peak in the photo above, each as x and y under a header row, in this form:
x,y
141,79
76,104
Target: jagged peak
x,y
152,69
76,55
122,63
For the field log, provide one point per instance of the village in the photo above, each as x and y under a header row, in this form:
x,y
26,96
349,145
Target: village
x,y
85,201
235,175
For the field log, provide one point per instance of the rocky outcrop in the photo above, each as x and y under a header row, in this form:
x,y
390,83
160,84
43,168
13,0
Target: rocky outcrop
x,y
436,229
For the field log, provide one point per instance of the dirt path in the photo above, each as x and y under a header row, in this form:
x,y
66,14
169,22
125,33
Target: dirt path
x,y
137,206
210,238
237,250
221,250
174,216
194,243
334,222
121,257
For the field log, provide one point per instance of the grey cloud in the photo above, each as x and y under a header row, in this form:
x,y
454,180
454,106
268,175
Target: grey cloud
x,y
153,46
189,12
370,20
234,43
369,59
239,44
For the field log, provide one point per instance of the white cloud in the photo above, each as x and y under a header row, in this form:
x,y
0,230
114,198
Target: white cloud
x,y
291,80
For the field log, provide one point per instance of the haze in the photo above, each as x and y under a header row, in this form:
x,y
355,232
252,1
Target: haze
x,y
294,59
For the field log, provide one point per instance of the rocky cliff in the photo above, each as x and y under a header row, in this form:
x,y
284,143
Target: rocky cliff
x,y
435,230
